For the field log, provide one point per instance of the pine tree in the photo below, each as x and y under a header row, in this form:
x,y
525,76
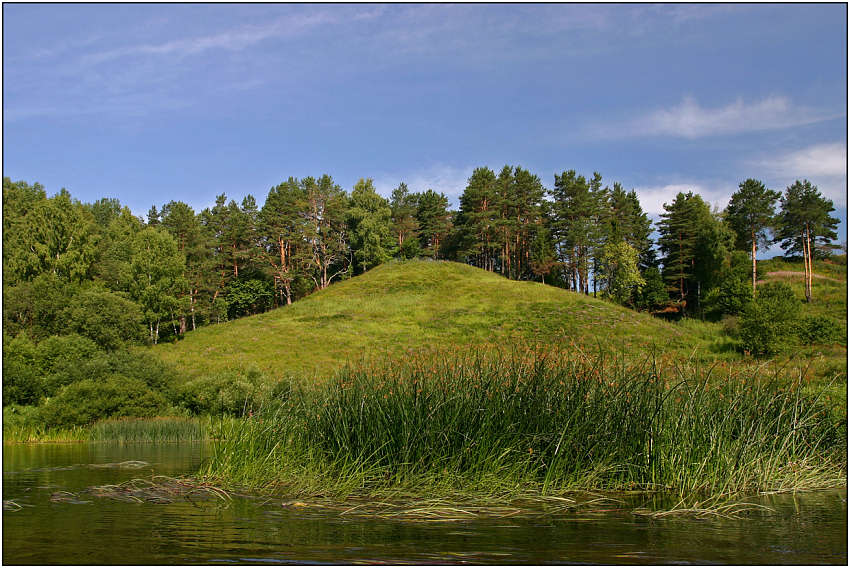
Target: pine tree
x,y
282,222
679,230
403,212
804,220
434,219
750,212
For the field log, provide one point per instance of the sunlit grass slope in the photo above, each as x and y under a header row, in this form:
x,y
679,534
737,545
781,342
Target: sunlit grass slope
x,y
419,304
829,285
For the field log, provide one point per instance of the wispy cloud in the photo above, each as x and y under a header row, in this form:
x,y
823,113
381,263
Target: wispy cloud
x,y
653,197
441,178
825,165
691,120
828,160
235,39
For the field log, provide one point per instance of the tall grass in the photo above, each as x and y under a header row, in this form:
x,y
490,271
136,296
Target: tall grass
x,y
162,429
539,423
159,429
29,433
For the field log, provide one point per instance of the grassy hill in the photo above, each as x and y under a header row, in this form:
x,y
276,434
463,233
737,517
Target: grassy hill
x,y
422,304
829,284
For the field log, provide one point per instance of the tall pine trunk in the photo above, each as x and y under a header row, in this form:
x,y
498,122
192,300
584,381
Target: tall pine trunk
x,y
811,267
753,233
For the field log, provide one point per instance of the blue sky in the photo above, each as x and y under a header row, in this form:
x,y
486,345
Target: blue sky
x,y
154,102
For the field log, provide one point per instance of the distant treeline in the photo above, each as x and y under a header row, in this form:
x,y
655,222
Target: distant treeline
x,y
98,270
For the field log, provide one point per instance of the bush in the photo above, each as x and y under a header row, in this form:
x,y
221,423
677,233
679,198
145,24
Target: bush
x,y
819,329
16,416
248,296
730,297
22,382
63,359
86,401
229,392
106,318
142,366
769,324
730,326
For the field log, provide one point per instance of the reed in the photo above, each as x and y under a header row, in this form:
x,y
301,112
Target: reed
x,y
29,433
160,429
535,424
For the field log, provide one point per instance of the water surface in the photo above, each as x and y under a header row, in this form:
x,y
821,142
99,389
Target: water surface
x,y
58,522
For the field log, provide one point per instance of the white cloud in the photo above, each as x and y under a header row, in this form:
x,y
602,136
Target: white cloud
x,y
653,198
825,165
828,160
690,120
235,39
441,178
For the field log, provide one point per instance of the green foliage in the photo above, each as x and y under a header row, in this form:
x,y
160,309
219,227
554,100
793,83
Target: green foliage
x,y
730,297
232,392
108,319
768,325
410,248
433,219
750,213
36,307
654,292
404,225
820,329
22,379
805,213
61,360
86,401
620,272
50,235
246,296
157,270
369,221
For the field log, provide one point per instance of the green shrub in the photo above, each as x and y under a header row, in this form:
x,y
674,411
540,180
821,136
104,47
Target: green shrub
x,y
86,401
142,366
730,326
819,329
105,317
769,324
230,392
19,416
22,383
62,360
730,297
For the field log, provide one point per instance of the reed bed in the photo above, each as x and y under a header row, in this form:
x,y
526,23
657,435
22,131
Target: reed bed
x,y
28,433
536,424
161,429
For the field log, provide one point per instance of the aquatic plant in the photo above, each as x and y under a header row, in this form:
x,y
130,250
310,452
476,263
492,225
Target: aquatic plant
x,y
160,429
539,423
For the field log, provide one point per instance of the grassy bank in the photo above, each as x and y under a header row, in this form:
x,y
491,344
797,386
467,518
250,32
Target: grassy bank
x,y
160,429
405,305
539,424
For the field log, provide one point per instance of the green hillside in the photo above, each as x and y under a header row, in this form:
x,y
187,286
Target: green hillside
x,y
420,304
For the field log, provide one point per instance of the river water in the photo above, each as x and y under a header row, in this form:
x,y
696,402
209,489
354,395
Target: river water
x,y
51,517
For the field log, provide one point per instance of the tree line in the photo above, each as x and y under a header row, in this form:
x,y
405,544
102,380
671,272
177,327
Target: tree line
x,y
98,270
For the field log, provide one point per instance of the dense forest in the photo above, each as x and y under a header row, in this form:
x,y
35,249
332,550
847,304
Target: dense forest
x,y
67,263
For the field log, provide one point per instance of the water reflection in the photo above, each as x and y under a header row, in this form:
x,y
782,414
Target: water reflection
x,y
804,529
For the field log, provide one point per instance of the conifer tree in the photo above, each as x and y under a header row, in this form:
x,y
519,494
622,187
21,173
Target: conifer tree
x,y
403,211
434,219
750,212
282,222
805,220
